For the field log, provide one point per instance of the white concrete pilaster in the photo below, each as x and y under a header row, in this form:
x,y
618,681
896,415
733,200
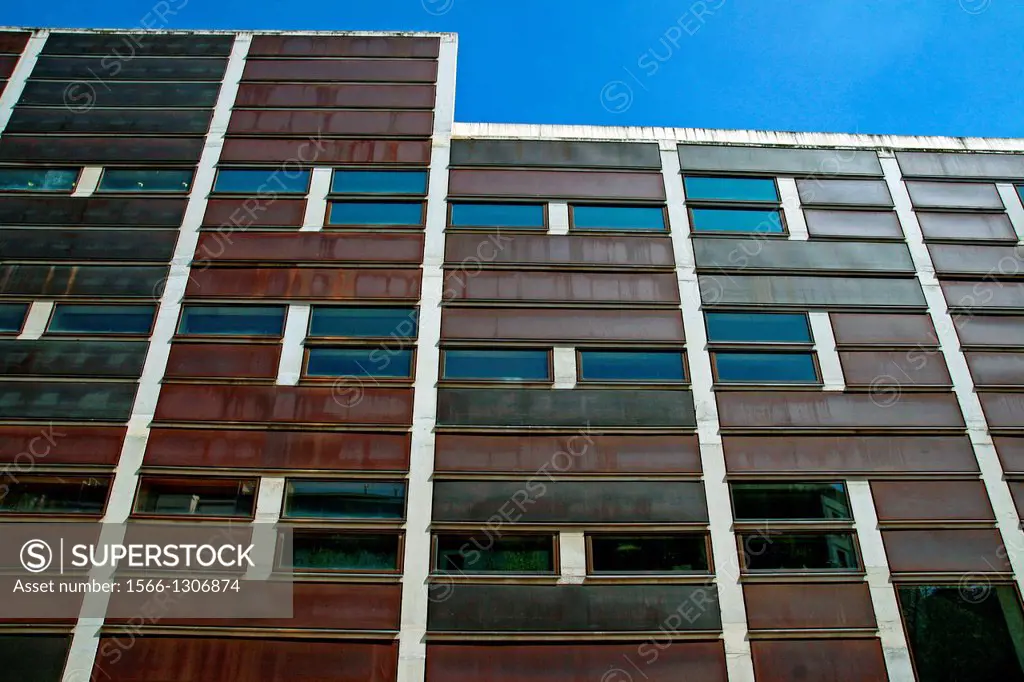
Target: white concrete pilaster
x,y
572,556
296,324
564,362
828,357
88,181
35,322
269,500
558,217
790,198
316,202
1014,209
16,83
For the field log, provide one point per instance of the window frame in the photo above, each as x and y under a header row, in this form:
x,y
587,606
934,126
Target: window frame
x,y
107,476
343,522
214,194
542,229
581,379
372,199
345,379
783,234
594,573
733,202
442,380
435,555
744,345
13,333
230,338
331,194
57,192
791,521
142,169
279,565
574,229
411,311
213,477
719,383
48,333
742,534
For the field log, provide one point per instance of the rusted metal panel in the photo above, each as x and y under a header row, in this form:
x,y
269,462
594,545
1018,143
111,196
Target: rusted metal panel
x,y
313,122
113,68
556,184
558,250
856,224
310,247
568,287
87,245
67,401
127,121
35,657
1017,492
587,454
990,331
249,449
170,95
996,369
962,165
971,226
547,324
321,151
976,259
808,606
1011,453
975,550
342,70
72,358
12,42
976,195
790,255
305,283
222,360
810,292
86,281
556,154
92,211
71,445
285,404
343,46
856,329
114,149
843,192
931,501
820,660
254,211
720,158
811,410
335,96
7,65
898,369
1003,410
128,45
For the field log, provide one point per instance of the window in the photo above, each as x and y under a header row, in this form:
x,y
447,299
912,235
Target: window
x,y
790,501
55,495
629,218
1020,192
653,554
71,318
266,180
755,221
964,631
344,500
379,182
349,213
136,180
236,320
373,323
387,363
326,551
730,189
496,365
758,328
765,368
234,498
661,366
38,179
513,216
799,551
12,317
494,554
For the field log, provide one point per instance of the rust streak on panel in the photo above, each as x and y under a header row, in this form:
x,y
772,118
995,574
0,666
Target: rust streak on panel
x,y
410,152
808,605
854,329
222,360
901,369
306,283
73,445
557,184
818,660
341,70
996,369
1003,410
353,122
547,324
343,46
313,247
239,214
578,287
528,249
799,409
335,96
931,501
944,550
13,42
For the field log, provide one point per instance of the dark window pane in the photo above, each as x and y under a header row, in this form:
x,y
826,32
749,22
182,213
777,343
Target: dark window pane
x,y
790,501
736,220
1020,191
799,551
70,318
38,179
264,180
730,189
498,215
496,365
359,362
340,552
964,632
631,366
766,368
54,495
379,182
494,554
668,554
239,320
196,497
12,316
364,213
618,218
345,500
758,328
129,180
399,323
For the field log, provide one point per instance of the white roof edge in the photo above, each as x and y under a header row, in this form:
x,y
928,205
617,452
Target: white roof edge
x,y
201,31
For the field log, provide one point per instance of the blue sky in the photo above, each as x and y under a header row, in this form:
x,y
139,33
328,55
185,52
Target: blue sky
x,y
928,67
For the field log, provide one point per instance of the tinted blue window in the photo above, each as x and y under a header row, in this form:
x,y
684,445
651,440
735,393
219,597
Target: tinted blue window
x,y
758,328
102,319
237,320
345,499
618,218
133,180
379,182
736,220
365,213
266,180
364,322
1020,191
496,365
766,368
359,362
730,189
631,366
38,179
498,215
12,315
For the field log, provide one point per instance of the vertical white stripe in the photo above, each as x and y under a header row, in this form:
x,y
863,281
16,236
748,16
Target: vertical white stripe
x,y
564,362
88,181
268,512
790,197
316,202
36,320
16,83
292,346
572,558
828,357
1014,209
558,217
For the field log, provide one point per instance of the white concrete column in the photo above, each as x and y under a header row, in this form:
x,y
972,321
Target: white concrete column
x,y
723,542
16,83
316,202
828,357
883,595
790,197
296,324
572,558
558,217
564,362
84,642
1014,209
88,181
412,650
35,322
268,512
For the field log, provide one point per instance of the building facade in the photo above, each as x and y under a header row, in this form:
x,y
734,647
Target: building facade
x,y
546,403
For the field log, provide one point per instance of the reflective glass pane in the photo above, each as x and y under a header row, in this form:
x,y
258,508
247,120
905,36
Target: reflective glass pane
x,y
730,189
495,554
54,495
265,180
498,215
345,499
618,218
790,501
397,323
668,554
736,220
1020,191
12,316
758,328
133,180
775,551
365,213
239,320
631,366
359,362
496,365
38,179
196,497
379,182
765,368
326,551
102,319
